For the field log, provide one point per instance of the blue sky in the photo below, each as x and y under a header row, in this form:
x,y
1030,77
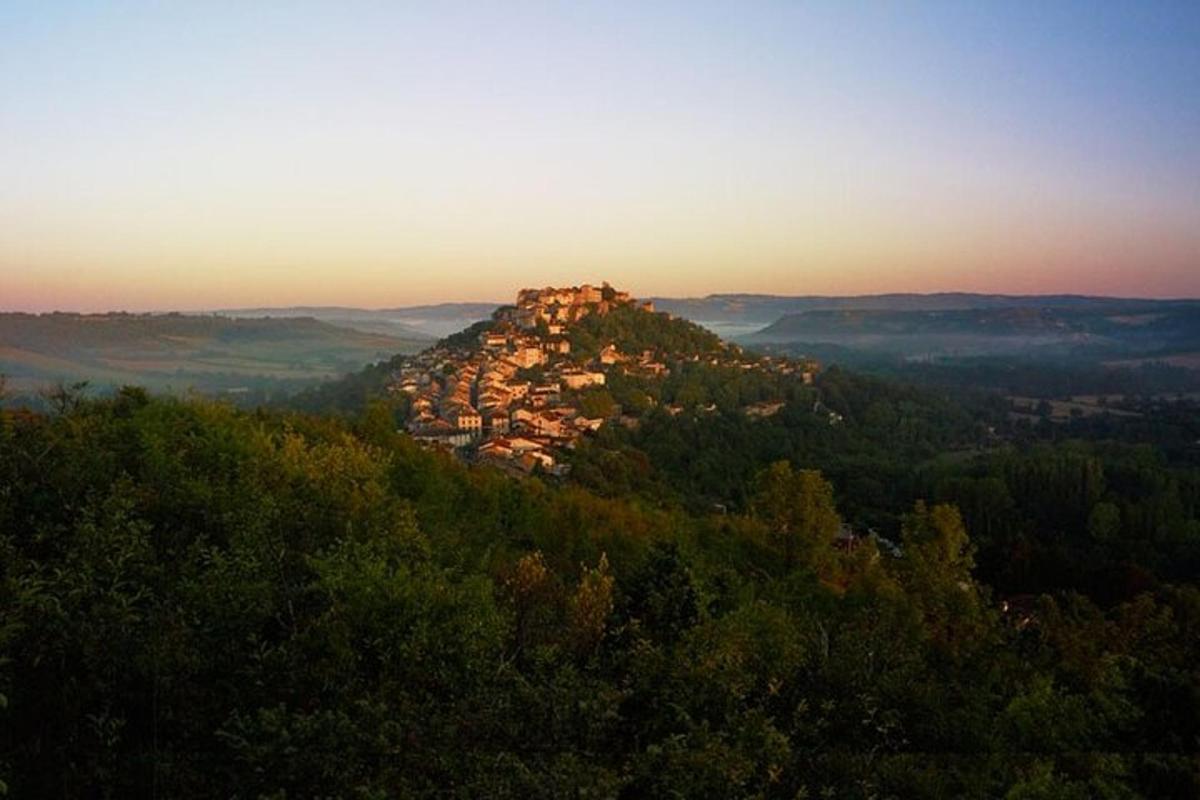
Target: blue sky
x,y
197,155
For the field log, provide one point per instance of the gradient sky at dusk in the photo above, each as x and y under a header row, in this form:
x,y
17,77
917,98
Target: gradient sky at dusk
x,y
201,155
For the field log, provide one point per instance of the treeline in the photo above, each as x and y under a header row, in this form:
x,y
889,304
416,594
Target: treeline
x,y
242,390
696,386
1084,373
1051,378
1105,505
351,393
868,434
199,601
1105,519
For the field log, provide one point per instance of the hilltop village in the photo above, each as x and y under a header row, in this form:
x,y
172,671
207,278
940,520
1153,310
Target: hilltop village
x,y
505,390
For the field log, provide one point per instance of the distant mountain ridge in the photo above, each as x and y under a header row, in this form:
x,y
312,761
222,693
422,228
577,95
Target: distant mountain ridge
x,y
732,314
765,308
427,322
1099,329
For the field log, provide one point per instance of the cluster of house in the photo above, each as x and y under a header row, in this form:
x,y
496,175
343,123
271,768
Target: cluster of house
x,y
484,396
507,397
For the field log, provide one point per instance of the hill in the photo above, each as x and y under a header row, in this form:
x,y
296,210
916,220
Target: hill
x,y
735,316
632,330
178,351
526,384
1107,329
729,315
427,322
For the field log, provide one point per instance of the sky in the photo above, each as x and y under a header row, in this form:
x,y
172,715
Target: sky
x,y
188,156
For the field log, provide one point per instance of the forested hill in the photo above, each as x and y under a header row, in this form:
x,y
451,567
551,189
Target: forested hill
x,y
426,322
764,309
197,601
1139,328
634,330
630,328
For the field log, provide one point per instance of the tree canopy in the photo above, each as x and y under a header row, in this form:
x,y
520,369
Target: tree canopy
x,y
201,601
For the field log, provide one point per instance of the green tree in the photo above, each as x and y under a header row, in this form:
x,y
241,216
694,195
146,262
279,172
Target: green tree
x,y
596,403
935,569
797,507
1104,522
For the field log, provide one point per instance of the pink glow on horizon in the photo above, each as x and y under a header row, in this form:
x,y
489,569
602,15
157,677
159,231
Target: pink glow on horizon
x,y
186,157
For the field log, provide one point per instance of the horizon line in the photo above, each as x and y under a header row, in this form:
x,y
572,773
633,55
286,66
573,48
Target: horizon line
x,y
216,311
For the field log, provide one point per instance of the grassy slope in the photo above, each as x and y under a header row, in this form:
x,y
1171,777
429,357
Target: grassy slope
x,y
180,351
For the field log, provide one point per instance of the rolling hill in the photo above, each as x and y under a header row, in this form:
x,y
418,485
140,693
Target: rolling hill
x,y
428,322
179,352
766,308
1095,330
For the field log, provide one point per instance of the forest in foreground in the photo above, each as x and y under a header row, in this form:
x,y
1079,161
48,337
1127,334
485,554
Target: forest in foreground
x,y
201,601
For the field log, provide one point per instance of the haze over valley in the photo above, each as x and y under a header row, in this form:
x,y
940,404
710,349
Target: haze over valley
x,y
281,351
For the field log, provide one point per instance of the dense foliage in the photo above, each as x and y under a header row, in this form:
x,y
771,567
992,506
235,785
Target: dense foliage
x,y
197,601
1099,505
633,330
352,392
1083,372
